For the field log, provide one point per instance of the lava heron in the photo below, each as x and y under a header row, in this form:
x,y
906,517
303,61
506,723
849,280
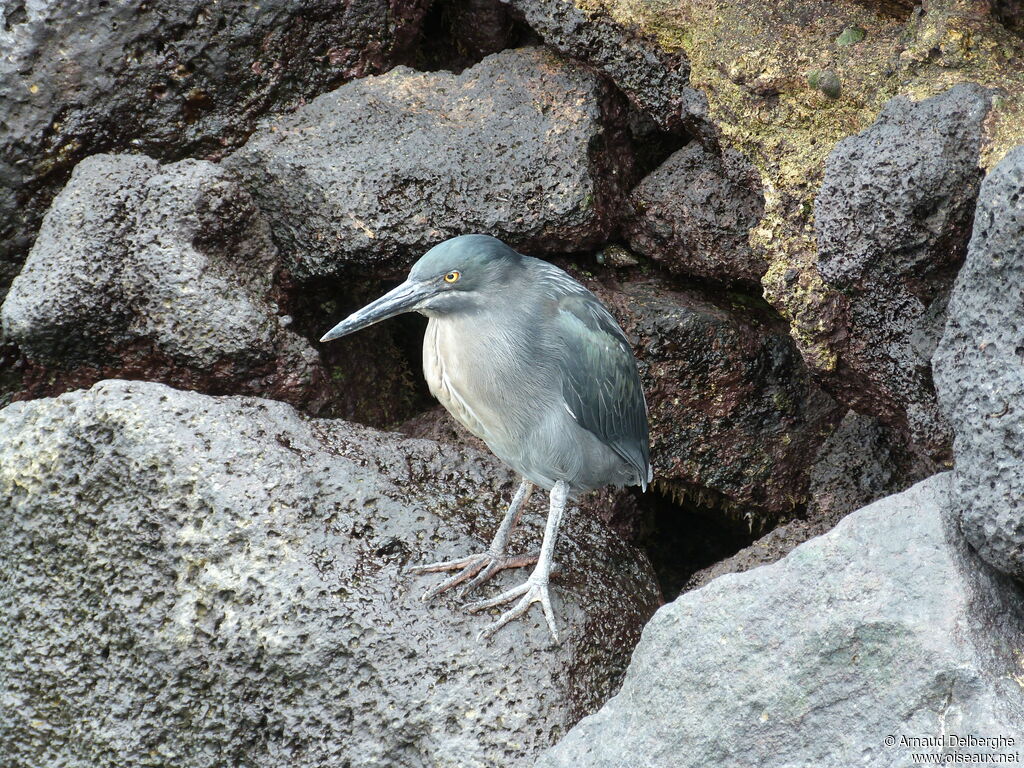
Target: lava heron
x,y
529,361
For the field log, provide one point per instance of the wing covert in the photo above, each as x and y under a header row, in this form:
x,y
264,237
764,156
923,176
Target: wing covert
x,y
600,383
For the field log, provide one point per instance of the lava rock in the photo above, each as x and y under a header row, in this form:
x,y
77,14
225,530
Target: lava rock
x,y
888,626
164,272
860,462
892,219
167,78
979,372
368,177
694,213
216,581
734,414
655,80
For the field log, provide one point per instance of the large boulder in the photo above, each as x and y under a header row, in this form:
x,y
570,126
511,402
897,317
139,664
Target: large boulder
x,y
211,581
892,220
694,214
161,272
167,78
979,372
366,178
735,418
884,631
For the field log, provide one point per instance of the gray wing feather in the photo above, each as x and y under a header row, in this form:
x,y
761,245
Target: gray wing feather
x,y
600,382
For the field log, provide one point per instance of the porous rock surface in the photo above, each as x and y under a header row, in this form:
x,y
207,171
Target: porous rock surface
x,y
892,220
979,372
858,463
694,214
654,79
165,272
373,174
221,581
167,78
733,410
889,625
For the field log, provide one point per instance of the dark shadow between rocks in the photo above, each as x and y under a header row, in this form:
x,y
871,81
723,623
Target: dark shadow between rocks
x,y
375,375
12,371
896,9
683,534
456,34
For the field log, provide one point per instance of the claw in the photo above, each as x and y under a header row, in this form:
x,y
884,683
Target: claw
x,y
534,590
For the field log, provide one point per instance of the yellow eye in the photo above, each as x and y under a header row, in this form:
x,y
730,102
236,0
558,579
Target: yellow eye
x,y
452,277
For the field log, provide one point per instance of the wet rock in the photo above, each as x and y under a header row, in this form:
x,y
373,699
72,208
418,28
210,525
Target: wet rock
x,y
226,579
887,626
892,219
694,214
159,272
373,174
654,79
166,78
734,414
860,462
979,372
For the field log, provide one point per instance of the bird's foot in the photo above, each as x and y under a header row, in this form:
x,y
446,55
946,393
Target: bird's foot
x,y
479,567
534,590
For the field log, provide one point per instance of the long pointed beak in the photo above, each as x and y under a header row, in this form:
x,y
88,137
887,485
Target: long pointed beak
x,y
403,298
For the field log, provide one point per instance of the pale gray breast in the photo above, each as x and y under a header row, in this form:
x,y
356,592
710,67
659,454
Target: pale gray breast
x,y
489,381
470,371
443,375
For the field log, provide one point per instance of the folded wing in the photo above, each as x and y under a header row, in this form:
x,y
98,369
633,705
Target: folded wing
x,y
600,382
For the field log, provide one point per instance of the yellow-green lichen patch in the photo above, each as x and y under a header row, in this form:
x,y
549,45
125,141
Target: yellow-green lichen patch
x,y
786,81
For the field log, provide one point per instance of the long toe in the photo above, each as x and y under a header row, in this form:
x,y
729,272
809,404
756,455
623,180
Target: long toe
x,y
444,565
504,597
468,571
496,565
533,591
483,566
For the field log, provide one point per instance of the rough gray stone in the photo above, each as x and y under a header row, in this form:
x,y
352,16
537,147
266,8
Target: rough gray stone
x,y
164,270
694,212
859,463
207,581
886,626
167,78
892,220
378,171
979,372
656,80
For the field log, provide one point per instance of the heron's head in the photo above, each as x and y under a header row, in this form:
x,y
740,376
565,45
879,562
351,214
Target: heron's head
x,y
463,274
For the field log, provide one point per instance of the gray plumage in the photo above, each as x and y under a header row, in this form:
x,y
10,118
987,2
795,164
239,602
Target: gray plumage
x,y
529,361
538,369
